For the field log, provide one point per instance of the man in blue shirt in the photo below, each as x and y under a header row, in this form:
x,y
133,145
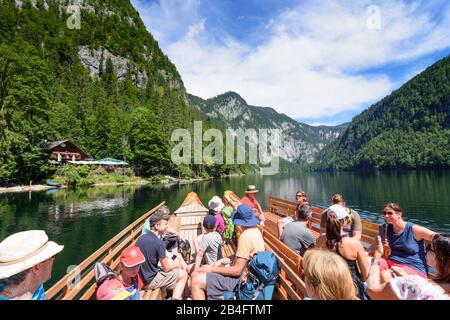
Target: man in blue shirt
x,y
171,275
26,261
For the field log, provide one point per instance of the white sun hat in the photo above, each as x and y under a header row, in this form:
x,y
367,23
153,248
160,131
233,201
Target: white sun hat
x,y
24,250
216,204
338,211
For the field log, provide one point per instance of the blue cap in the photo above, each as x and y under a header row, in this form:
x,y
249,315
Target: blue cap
x,y
209,221
245,216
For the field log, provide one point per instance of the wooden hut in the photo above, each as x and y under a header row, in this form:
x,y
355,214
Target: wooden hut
x,y
65,150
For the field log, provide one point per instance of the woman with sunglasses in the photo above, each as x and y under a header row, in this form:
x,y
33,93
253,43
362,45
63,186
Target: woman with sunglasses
x,y
413,287
301,199
406,242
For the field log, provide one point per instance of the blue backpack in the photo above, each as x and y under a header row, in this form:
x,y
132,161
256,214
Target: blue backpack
x,y
262,277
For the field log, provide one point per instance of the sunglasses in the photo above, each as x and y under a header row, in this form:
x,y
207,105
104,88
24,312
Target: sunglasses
x,y
387,213
430,248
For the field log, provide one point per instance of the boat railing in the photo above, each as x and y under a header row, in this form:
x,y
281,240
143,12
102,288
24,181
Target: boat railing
x,y
281,207
80,282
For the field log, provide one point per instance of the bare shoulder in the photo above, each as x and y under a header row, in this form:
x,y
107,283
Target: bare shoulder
x,y
354,243
422,233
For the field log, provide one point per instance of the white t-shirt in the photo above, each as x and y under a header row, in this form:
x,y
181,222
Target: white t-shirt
x,y
413,287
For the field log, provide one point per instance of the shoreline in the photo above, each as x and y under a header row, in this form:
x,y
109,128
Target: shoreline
x,y
33,188
43,187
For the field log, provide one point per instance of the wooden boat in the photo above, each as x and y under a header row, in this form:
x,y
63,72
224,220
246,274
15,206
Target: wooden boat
x,y
80,282
188,218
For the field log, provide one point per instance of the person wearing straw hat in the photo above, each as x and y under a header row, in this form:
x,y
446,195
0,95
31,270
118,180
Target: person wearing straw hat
x,y
250,199
26,261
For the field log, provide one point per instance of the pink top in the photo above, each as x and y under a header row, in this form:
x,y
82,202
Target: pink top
x,y
220,223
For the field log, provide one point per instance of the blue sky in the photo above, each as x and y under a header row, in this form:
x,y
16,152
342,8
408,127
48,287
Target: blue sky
x,y
320,62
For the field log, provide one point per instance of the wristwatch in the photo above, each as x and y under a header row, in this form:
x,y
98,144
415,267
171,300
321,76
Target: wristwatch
x,y
376,261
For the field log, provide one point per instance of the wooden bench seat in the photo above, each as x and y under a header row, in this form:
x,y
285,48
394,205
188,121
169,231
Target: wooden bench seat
x,y
228,250
156,294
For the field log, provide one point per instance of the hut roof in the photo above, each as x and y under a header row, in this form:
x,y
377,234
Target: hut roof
x,y
55,144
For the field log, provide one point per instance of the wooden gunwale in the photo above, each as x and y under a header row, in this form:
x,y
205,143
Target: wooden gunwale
x,y
64,283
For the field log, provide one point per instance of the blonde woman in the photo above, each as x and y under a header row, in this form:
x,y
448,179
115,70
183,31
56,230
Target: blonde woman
x,y
327,276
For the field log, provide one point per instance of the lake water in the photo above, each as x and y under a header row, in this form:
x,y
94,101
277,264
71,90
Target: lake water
x,y
83,220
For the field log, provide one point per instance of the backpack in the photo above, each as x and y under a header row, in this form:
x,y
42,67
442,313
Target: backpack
x,y
229,226
102,272
262,277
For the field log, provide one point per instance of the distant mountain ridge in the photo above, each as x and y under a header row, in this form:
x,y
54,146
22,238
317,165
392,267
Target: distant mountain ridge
x,y
301,143
410,128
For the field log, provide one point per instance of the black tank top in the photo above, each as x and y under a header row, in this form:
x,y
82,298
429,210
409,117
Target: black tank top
x,y
356,276
352,265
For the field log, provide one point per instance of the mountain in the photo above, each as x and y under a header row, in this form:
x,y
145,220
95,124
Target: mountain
x,y
101,81
410,128
300,142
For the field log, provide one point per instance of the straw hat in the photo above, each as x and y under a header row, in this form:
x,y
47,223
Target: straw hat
x,y
24,250
251,189
216,204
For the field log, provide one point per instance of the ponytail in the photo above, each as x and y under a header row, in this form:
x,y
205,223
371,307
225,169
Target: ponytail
x,y
333,232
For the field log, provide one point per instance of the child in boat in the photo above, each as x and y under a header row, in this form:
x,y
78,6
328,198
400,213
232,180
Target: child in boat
x,y
112,289
130,263
209,249
215,209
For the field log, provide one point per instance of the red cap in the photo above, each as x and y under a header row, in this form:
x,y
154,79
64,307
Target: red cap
x,y
132,256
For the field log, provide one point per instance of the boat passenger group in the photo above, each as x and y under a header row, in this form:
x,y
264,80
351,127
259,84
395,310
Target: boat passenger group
x,y
335,265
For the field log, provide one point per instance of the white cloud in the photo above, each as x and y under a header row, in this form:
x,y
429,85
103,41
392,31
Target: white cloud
x,y
168,19
197,28
314,60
